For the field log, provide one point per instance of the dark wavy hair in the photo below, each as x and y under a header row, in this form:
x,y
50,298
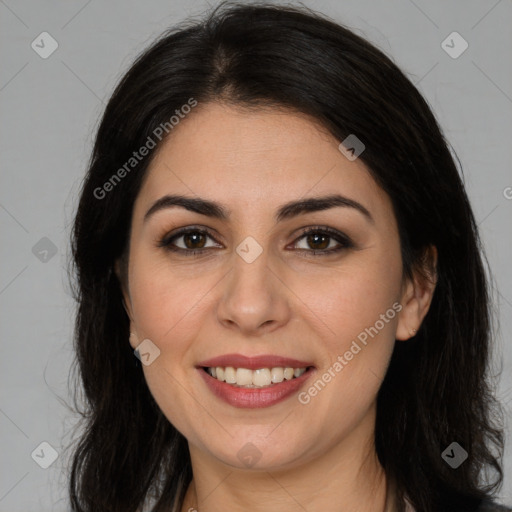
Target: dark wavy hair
x,y
437,389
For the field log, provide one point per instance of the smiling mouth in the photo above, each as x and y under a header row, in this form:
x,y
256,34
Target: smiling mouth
x,y
253,379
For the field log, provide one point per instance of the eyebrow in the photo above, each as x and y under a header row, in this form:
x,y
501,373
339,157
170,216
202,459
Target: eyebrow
x,y
287,211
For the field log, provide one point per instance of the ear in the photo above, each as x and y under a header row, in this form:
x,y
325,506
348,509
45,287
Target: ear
x,y
121,277
417,294
127,303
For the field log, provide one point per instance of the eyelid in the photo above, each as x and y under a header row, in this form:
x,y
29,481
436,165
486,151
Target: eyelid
x,y
165,240
344,241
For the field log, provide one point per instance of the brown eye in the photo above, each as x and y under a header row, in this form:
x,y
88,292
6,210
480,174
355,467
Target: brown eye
x,y
194,241
318,240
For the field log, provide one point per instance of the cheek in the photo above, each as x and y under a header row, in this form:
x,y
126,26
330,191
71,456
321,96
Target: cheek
x,y
166,310
164,302
358,309
350,298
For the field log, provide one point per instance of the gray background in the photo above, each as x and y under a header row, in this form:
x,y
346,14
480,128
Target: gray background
x,y
50,109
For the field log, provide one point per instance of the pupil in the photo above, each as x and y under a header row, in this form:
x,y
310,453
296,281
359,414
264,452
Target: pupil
x,y
316,236
189,236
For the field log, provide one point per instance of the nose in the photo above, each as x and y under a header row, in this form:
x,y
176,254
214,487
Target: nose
x,y
255,300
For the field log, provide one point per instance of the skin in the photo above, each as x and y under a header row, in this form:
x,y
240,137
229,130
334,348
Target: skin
x,y
309,308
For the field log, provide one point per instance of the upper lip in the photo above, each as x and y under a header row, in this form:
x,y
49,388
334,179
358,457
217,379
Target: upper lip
x,y
255,362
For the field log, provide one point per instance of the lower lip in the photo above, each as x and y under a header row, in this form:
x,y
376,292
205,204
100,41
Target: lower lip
x,y
254,398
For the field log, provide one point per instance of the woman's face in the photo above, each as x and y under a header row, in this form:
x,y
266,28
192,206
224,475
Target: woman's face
x,y
257,288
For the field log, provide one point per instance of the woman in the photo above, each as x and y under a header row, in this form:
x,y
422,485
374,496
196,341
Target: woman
x,y
272,222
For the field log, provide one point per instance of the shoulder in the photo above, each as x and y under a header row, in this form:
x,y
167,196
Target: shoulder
x,y
490,506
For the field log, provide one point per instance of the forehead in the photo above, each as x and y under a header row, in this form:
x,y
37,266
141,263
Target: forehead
x,y
260,157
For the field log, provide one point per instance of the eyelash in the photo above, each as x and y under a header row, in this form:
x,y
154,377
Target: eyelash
x,y
331,233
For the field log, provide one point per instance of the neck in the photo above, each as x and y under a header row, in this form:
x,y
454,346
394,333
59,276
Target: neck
x,y
349,476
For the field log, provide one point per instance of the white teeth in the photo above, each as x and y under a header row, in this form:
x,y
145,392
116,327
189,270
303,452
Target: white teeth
x,y
262,377
288,373
230,375
243,376
277,374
